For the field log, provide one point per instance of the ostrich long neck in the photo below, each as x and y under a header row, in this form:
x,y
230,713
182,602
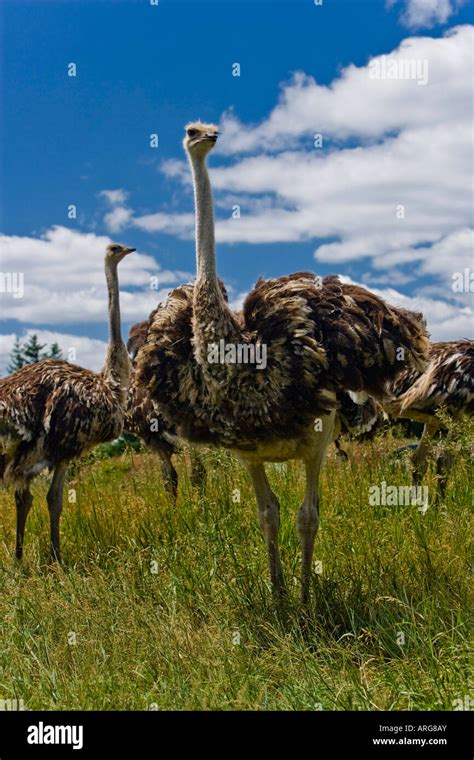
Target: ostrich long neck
x,y
117,365
205,242
212,319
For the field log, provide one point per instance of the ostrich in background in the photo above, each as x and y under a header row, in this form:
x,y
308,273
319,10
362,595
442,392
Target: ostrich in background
x,y
54,411
320,338
447,383
143,420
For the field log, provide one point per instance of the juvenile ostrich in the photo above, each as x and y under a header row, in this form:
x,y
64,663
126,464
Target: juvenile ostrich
x,y
448,382
53,411
319,338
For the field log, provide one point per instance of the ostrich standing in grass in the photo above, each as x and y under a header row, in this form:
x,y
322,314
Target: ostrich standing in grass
x,y
319,338
53,411
447,383
143,420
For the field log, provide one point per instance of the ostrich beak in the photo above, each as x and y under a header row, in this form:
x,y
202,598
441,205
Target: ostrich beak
x,y
130,250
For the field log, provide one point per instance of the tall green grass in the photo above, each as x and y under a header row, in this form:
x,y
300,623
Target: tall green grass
x,y
168,607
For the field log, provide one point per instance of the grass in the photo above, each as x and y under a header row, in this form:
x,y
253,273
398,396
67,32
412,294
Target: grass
x,y
163,607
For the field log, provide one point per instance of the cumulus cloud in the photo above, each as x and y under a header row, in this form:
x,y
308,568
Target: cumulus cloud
x,y
360,104
181,225
419,14
64,280
446,321
114,197
118,218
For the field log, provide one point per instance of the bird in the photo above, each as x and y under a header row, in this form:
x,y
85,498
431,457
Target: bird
x,y
447,383
54,411
262,383
143,420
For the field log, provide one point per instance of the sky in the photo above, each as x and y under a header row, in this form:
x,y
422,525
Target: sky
x,y
345,148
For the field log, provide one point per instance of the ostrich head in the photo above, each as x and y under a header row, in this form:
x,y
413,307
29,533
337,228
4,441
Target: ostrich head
x,y
116,252
200,138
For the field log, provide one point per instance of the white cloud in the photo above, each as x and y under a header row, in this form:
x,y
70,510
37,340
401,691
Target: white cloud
x,y
446,321
64,280
114,197
181,225
358,105
420,14
89,353
118,218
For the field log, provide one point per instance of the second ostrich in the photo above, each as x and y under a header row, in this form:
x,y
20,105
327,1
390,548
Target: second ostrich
x,y
143,420
447,383
318,338
53,411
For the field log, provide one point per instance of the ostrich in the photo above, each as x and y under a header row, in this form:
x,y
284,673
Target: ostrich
x,y
447,382
53,411
318,337
143,420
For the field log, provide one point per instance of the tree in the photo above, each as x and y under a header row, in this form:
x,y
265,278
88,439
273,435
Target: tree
x,y
54,352
30,352
16,357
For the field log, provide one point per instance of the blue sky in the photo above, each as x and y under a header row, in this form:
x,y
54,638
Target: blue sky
x,y
144,69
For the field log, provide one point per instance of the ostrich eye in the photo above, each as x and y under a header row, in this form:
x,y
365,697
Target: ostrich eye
x,y
192,132
115,249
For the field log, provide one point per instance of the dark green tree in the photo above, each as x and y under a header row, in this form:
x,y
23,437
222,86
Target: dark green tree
x,y
16,357
54,352
32,350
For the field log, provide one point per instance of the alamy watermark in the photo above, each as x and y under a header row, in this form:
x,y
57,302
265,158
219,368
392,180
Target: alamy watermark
x,y
237,353
396,496
463,282
389,67
12,282
41,733
11,705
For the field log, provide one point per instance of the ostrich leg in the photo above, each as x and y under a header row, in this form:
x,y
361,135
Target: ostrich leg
x,y
24,500
198,470
308,515
422,451
444,465
55,505
269,518
169,474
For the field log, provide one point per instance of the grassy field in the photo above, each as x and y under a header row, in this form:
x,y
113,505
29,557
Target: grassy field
x,y
163,607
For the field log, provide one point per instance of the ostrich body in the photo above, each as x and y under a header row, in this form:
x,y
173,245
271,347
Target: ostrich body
x,y
319,339
447,382
53,411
